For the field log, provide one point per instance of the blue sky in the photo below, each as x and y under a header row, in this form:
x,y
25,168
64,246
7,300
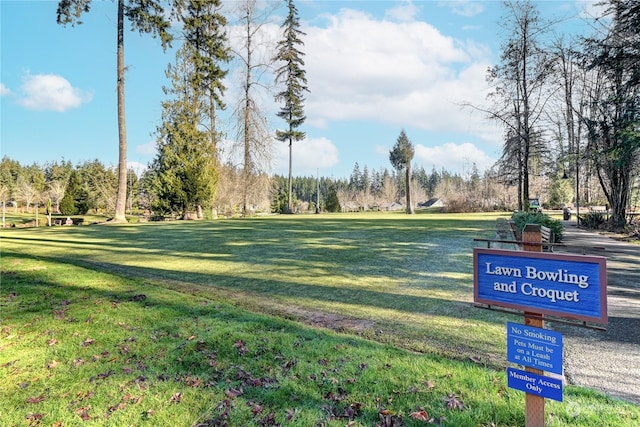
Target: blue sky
x,y
373,68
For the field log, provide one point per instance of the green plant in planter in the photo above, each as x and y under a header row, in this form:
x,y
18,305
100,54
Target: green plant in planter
x,y
523,218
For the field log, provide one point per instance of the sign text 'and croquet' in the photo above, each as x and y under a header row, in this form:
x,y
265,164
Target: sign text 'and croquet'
x,y
571,286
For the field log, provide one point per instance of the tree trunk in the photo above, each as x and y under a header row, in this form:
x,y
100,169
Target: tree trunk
x,y
290,184
407,187
121,197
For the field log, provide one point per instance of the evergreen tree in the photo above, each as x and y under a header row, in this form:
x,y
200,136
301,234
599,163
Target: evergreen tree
x,y
400,156
355,178
332,204
293,76
185,167
203,30
75,200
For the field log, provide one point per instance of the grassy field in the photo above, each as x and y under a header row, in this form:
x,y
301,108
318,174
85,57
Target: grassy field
x,y
190,323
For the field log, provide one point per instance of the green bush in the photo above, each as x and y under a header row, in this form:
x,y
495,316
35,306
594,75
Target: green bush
x,y
523,218
593,220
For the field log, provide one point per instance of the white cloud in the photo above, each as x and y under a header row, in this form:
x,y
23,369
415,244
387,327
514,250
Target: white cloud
x,y
137,167
50,92
406,12
591,8
309,155
148,148
4,90
452,157
405,74
467,8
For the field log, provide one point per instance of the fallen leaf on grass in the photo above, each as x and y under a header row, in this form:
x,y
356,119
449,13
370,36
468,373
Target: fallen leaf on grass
x,y
193,382
420,415
36,399
83,413
388,418
233,392
88,342
120,405
242,349
177,397
53,364
52,341
454,403
83,395
34,419
291,413
476,360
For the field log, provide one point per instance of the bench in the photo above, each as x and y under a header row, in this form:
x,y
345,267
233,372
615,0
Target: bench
x,y
547,237
517,233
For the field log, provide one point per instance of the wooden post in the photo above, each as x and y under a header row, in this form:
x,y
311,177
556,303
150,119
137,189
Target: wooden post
x,y
534,405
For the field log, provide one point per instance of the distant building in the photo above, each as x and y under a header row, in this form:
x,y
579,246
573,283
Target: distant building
x,y
432,203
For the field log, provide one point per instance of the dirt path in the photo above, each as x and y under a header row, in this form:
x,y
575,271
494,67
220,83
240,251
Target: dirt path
x,y
607,361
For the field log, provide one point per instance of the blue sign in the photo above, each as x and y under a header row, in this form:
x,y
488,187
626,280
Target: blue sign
x,y
556,284
547,387
534,347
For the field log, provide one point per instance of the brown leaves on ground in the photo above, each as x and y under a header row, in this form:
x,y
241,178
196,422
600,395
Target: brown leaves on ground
x,y
83,413
87,342
127,399
232,393
453,402
420,415
241,347
53,364
36,399
388,418
34,419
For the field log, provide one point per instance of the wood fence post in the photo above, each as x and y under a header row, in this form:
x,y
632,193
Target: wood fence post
x,y
534,405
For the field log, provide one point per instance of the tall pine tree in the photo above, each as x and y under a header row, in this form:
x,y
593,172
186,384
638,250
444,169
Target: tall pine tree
x,y
292,76
203,29
400,156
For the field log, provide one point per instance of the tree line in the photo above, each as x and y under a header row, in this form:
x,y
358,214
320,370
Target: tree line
x,y
90,186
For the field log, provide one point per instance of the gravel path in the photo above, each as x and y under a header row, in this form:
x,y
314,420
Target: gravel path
x,y
607,361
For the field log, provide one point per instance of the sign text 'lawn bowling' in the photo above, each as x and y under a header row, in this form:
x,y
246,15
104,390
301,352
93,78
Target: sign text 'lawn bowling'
x,y
534,347
559,285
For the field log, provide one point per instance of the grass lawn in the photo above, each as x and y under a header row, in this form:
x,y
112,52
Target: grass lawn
x,y
189,323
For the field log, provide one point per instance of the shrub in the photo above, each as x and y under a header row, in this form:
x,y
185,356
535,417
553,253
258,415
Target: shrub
x,y
523,218
593,220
